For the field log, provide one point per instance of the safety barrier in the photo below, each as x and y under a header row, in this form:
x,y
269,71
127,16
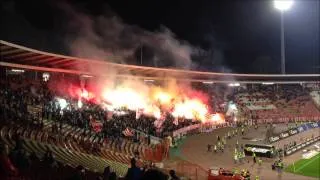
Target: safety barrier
x,y
297,147
294,131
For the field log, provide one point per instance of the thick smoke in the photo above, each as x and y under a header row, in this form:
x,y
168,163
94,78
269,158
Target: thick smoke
x,y
103,35
107,37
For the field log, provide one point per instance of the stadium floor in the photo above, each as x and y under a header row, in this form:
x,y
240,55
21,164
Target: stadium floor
x,y
307,167
194,150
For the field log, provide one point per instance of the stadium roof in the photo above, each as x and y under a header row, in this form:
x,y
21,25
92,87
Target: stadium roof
x,y
16,56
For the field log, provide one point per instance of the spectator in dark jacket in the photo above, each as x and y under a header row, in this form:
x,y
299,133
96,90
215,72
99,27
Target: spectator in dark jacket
x,y
173,175
113,176
154,175
134,172
106,173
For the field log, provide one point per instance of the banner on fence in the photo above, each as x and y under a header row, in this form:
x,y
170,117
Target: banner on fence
x,y
301,145
282,119
294,131
185,130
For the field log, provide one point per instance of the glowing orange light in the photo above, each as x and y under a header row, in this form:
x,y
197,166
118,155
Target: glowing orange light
x,y
154,100
163,97
85,94
217,118
190,109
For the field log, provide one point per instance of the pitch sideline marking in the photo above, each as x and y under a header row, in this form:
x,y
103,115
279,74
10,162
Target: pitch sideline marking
x,y
304,165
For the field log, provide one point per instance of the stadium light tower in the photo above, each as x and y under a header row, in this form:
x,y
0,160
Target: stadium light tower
x,y
283,5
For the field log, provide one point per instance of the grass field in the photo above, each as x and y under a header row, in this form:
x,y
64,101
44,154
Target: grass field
x,y
306,167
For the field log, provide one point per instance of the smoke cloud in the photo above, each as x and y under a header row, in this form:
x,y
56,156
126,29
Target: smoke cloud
x,y
107,37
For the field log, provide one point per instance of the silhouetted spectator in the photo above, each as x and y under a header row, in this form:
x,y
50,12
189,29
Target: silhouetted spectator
x,y
33,157
113,176
154,175
49,159
134,172
173,175
23,162
106,173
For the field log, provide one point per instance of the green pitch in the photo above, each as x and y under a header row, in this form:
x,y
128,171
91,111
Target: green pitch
x,y
306,167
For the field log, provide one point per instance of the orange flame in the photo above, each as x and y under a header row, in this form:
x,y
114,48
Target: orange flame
x,y
154,100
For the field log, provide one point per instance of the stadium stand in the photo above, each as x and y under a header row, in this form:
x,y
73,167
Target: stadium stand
x,y
69,145
284,102
39,140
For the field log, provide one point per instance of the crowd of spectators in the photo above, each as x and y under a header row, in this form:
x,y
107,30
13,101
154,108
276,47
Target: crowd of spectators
x,y
16,164
112,127
14,102
275,101
17,102
29,103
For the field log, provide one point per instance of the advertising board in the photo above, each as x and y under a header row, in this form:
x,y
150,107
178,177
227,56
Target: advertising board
x,y
259,150
301,145
294,131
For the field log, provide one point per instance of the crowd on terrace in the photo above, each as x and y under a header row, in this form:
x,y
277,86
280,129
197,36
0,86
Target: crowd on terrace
x,y
22,99
17,164
276,102
29,102
35,101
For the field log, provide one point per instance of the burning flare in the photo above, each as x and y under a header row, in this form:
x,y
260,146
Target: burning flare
x,y
179,101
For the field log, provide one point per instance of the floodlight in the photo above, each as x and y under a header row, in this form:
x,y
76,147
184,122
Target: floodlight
x,y
283,5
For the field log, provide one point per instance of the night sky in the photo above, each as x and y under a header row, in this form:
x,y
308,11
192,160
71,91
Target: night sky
x,y
234,35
